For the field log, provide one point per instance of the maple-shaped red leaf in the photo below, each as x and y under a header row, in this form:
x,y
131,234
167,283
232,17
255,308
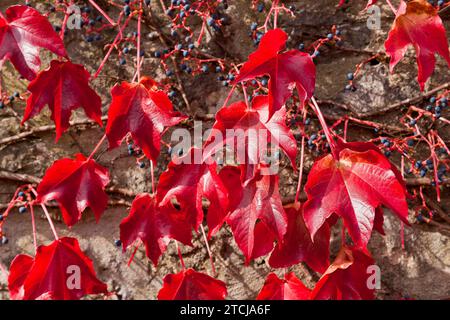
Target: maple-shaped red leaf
x,y
19,269
286,70
353,186
192,285
417,23
22,32
289,288
188,182
60,271
143,111
75,184
258,131
297,245
346,278
63,87
154,225
258,218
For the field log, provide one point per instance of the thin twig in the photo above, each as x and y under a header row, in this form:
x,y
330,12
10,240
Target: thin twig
x,y
404,102
437,208
23,135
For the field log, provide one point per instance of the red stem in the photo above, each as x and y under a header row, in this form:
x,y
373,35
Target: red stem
x,y
180,256
202,32
96,6
275,15
325,128
402,234
392,7
50,222
133,254
152,172
300,174
246,98
64,24
229,96
163,6
402,226
113,45
97,147
345,129
211,260
33,224
138,55
435,167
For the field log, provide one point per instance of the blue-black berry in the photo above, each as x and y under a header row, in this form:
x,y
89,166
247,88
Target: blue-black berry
x,y
260,7
423,172
127,10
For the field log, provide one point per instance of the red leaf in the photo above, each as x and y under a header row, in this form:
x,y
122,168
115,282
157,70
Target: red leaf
x,y
59,271
297,246
352,187
154,225
22,33
20,267
192,285
378,221
418,24
189,182
231,179
290,288
75,185
346,278
259,217
253,122
64,87
285,70
143,111
263,238
371,3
